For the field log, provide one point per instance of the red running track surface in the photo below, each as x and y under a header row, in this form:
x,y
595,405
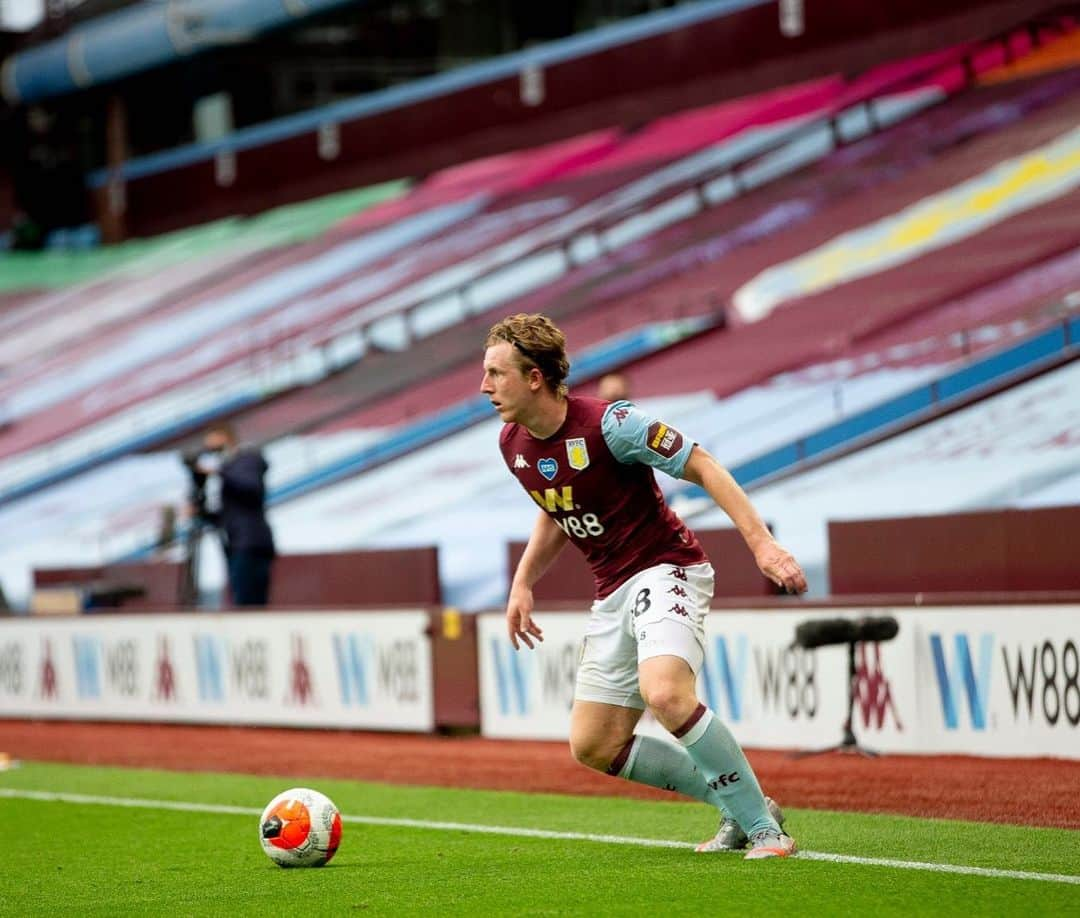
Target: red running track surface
x,y
1036,792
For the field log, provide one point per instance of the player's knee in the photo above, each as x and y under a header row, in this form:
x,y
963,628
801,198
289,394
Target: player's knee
x,y
670,703
591,752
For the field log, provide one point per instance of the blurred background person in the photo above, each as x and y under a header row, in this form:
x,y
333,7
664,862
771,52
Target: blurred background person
x,y
230,494
613,387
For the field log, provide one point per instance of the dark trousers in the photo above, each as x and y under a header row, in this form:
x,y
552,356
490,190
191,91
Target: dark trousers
x,y
249,577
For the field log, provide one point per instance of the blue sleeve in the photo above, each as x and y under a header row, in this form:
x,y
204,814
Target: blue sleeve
x,y
632,435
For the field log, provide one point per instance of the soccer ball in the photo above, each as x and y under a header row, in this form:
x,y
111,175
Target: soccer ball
x,y
300,828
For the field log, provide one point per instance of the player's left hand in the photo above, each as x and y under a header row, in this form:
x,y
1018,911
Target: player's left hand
x,y
780,566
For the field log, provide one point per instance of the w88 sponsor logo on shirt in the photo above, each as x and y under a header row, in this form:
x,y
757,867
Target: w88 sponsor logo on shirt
x,y
578,526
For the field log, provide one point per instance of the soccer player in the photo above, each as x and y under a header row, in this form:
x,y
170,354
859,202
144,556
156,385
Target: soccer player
x,y
589,465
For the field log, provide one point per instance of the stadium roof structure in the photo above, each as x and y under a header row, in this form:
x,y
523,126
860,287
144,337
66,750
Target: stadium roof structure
x,y
142,36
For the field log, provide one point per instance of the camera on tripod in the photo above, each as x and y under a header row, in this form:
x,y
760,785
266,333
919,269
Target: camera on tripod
x,y
201,464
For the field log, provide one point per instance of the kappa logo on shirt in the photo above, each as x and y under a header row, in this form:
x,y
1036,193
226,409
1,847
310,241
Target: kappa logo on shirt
x,y
621,415
520,462
663,440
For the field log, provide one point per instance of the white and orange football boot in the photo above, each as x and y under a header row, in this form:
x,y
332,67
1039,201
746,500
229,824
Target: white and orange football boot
x,y
731,837
771,844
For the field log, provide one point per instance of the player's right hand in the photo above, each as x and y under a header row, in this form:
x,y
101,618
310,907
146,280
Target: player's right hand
x,y
780,566
519,623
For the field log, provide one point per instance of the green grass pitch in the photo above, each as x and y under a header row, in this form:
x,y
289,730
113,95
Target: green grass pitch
x,y
62,857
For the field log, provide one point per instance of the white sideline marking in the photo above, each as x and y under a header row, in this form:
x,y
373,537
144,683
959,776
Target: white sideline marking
x,y
187,807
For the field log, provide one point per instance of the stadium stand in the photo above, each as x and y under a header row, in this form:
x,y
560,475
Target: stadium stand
x,y
695,55
612,232
299,341
991,454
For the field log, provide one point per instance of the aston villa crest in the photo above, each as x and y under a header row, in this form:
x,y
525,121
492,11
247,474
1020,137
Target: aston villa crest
x,y
577,454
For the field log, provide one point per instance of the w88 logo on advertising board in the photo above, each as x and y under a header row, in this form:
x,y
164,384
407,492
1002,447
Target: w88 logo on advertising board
x,y
770,692
1031,680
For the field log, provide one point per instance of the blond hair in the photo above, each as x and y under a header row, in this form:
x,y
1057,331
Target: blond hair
x,y
537,342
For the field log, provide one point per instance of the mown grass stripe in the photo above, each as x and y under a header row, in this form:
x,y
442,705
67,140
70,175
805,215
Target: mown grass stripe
x,y
226,809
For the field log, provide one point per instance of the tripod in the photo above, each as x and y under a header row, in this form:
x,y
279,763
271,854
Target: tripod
x,y
188,590
819,632
848,744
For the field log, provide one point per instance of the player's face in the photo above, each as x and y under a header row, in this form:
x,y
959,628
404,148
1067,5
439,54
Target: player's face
x,y
504,384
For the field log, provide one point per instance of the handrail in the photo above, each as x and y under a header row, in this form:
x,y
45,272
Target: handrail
x,y
590,364
546,55
1049,347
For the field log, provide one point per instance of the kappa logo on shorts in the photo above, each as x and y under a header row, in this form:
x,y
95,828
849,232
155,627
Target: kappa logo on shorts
x,y
548,468
679,591
679,574
663,440
679,610
577,453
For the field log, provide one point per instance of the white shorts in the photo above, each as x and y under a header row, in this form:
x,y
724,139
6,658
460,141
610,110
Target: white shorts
x,y
658,612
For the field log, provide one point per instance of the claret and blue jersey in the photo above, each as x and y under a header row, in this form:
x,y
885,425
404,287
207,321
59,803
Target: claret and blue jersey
x,y
594,477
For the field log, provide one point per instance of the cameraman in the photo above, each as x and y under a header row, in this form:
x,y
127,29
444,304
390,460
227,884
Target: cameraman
x,y
230,494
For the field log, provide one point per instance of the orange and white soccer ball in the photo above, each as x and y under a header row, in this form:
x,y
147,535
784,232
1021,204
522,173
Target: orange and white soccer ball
x,y
300,828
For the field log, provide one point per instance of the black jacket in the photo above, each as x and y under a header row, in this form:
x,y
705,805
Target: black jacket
x,y
243,504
